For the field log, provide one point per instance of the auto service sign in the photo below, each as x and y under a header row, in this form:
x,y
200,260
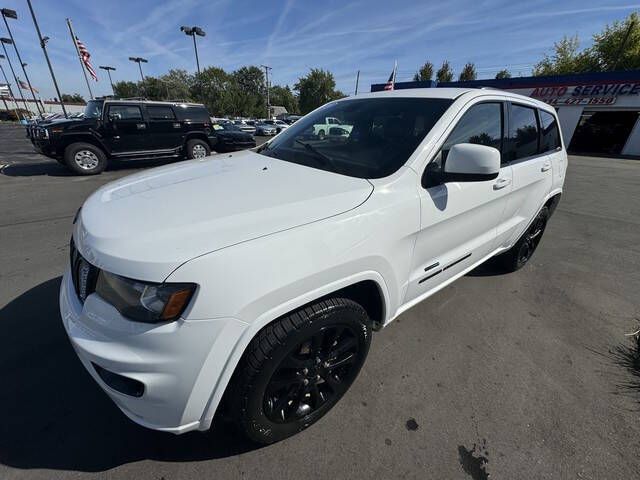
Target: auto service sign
x,y
586,94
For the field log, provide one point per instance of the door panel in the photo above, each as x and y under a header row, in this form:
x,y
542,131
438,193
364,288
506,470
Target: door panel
x,y
126,128
459,220
458,228
532,173
165,131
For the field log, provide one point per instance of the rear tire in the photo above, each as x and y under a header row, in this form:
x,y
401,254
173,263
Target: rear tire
x,y
321,135
517,256
197,148
85,158
297,368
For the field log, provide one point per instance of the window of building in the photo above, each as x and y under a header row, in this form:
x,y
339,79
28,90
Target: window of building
x,y
523,132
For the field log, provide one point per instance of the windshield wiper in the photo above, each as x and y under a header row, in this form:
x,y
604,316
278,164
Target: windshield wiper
x,y
318,154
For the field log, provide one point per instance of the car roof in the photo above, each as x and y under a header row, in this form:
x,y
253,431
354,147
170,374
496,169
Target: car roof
x,y
150,102
450,93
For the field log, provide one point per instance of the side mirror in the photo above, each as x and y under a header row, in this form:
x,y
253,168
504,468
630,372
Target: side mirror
x,y
468,162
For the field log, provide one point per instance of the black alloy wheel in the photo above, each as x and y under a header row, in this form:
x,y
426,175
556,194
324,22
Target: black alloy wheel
x,y
517,256
297,368
311,375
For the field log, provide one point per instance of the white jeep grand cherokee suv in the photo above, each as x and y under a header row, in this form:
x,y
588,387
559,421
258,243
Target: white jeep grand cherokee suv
x,y
255,280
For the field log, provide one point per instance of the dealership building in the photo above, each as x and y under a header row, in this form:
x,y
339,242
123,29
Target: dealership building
x,y
599,112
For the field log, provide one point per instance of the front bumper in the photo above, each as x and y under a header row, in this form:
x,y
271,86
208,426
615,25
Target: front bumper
x,y
179,362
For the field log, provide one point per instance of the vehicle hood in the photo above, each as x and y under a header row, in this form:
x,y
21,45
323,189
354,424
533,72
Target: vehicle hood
x,y
237,135
69,123
146,225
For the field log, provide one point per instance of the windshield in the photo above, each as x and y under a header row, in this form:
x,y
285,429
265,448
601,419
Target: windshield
x,y
93,109
366,138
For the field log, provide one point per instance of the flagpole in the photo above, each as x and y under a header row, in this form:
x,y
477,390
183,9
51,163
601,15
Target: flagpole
x,y
357,81
75,44
43,45
24,102
13,97
15,47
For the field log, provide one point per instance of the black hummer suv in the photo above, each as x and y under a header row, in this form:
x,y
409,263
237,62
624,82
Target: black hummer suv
x,y
131,130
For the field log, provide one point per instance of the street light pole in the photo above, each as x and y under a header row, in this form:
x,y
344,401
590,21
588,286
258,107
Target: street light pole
x,y
109,69
7,13
43,45
192,32
4,41
266,74
139,60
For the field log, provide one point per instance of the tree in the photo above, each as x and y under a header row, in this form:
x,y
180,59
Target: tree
x,y
425,74
126,89
217,90
283,96
444,73
566,59
315,89
468,73
179,84
504,73
75,98
617,47
251,89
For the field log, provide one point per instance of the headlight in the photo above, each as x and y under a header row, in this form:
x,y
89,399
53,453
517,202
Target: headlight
x,y
143,301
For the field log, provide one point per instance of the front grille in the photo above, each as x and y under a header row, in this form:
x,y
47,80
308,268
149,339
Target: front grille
x,y
83,274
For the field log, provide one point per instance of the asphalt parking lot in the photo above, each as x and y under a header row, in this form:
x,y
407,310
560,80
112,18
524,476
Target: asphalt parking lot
x,y
530,372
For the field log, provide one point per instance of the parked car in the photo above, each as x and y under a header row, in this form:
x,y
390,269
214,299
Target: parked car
x,y
126,130
264,129
322,129
260,277
230,138
245,126
278,124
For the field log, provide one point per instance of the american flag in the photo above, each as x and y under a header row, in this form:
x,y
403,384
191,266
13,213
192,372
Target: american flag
x,y
392,78
86,58
25,86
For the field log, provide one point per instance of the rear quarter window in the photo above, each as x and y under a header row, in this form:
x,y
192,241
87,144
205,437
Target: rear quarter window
x,y
193,113
549,132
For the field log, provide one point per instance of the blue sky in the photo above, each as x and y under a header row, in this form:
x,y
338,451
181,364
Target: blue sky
x,y
295,35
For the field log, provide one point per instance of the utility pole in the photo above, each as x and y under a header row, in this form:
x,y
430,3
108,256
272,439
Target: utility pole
x,y
357,81
5,41
75,44
266,74
109,69
7,13
43,45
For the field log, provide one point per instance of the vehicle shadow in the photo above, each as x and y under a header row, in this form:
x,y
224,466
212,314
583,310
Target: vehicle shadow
x,y
53,415
490,268
52,168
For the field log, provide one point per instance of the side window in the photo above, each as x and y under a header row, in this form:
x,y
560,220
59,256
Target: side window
x,y
549,133
157,112
125,112
523,132
481,124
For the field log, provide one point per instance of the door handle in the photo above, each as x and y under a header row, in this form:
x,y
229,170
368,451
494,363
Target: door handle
x,y
546,166
141,126
501,183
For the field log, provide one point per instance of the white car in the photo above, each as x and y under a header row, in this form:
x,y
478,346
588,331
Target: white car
x,y
258,277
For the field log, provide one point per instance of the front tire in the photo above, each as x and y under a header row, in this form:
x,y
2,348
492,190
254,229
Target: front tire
x,y
517,256
297,368
197,148
85,158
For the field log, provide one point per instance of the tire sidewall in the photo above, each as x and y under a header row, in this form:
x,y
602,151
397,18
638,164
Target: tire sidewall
x,y
256,424
74,148
517,264
192,143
